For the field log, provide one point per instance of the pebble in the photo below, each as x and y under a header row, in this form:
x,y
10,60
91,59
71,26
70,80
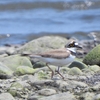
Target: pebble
x,y
47,92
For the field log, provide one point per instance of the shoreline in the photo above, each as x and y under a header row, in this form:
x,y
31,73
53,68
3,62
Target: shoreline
x,y
19,39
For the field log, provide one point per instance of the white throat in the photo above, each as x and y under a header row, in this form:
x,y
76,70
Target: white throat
x,y
72,50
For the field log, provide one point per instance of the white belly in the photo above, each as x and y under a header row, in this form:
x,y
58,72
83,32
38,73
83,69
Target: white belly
x,y
58,62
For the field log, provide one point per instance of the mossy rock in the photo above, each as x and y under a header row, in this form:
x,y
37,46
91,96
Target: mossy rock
x,y
93,57
43,44
13,92
94,68
42,75
15,61
22,70
75,71
4,70
14,87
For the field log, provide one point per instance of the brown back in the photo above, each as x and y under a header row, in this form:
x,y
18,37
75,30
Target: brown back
x,y
59,54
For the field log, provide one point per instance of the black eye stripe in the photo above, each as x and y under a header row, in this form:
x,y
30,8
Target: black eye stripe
x,y
72,44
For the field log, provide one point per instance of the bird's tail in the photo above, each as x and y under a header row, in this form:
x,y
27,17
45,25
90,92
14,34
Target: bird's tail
x,y
30,55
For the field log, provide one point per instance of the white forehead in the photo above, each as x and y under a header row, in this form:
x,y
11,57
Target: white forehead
x,y
76,43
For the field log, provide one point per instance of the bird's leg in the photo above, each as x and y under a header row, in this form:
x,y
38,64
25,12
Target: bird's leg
x,y
52,74
58,71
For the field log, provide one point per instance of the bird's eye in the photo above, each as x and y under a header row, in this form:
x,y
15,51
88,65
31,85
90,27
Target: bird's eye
x,y
72,44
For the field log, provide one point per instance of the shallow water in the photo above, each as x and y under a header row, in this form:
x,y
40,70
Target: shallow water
x,y
21,19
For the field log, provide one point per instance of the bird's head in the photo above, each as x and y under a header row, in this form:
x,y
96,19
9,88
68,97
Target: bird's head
x,y
72,46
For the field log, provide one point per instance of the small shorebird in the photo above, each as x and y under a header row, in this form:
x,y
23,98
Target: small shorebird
x,y
58,57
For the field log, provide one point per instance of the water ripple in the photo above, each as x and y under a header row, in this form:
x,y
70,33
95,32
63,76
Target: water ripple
x,y
60,5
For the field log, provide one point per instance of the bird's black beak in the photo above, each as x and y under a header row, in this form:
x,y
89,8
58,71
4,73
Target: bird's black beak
x,y
79,46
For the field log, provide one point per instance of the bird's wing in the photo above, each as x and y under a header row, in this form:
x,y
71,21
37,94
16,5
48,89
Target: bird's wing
x,y
58,54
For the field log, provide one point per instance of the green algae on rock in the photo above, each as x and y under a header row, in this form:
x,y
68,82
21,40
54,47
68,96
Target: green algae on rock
x,y
4,70
93,57
14,87
75,71
15,61
42,75
22,70
94,68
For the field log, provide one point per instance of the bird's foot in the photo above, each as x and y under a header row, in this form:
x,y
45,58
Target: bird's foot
x,y
60,74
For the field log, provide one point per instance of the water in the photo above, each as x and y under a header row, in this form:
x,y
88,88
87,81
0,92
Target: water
x,y
22,19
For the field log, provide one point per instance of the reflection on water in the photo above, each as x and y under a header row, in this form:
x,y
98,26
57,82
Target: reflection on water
x,y
27,17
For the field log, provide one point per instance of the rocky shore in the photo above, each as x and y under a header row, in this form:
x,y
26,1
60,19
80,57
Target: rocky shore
x,y
24,78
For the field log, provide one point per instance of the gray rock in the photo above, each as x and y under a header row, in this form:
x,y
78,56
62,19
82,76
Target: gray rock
x,y
6,96
96,87
27,78
47,92
61,96
42,82
62,85
87,96
78,84
33,97
3,55
10,51
2,50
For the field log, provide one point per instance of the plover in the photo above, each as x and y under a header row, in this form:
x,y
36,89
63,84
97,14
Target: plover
x,y
58,57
